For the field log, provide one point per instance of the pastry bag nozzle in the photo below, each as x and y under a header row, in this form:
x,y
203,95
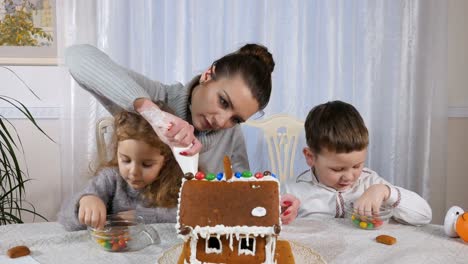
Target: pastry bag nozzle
x,y
159,120
186,163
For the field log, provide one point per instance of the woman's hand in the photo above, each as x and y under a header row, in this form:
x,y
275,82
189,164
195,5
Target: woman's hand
x,y
92,211
370,201
171,129
289,208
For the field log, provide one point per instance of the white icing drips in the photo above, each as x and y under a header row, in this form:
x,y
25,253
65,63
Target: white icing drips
x,y
241,251
259,211
209,250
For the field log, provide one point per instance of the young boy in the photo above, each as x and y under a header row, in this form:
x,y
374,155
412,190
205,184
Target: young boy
x,y
337,140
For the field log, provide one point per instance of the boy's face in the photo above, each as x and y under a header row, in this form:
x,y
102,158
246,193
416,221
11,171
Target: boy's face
x,y
336,170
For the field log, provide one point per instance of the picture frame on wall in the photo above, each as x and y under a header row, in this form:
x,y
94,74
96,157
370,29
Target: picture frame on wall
x,y
28,32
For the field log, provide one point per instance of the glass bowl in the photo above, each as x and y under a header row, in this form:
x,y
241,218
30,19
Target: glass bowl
x,y
123,233
369,220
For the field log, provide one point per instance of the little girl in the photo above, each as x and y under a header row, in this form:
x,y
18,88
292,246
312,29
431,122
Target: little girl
x,y
143,176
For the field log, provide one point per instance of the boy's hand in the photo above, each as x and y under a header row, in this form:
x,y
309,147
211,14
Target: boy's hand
x,y
92,211
370,201
289,208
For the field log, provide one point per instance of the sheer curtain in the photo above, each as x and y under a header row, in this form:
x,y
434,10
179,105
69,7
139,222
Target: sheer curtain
x,y
385,57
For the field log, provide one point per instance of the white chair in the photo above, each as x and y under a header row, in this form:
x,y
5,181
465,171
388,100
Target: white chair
x,y
281,133
104,129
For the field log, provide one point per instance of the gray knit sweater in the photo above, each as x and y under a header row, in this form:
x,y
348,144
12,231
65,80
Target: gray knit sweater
x,y
118,197
117,88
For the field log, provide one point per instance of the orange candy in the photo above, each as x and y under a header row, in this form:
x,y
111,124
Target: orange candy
x,y
462,226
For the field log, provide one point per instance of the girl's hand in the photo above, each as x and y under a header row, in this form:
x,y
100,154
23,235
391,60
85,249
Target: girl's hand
x,y
289,208
92,211
370,201
171,129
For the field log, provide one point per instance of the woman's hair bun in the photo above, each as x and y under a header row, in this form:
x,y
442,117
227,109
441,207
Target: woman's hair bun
x,y
260,52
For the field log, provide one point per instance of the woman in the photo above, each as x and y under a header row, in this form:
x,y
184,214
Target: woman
x,y
207,110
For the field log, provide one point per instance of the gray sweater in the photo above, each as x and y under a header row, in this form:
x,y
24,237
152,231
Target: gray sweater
x,y
117,88
118,197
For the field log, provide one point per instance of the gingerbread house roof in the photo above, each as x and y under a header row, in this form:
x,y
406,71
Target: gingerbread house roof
x,y
223,205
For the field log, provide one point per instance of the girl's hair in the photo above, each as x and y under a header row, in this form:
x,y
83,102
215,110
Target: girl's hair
x,y
254,63
336,126
164,191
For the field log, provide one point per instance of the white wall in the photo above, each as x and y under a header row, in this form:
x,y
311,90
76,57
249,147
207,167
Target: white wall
x,y
42,155
457,172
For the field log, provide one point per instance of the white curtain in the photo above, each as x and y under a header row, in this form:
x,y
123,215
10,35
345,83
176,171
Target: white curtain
x,y
385,57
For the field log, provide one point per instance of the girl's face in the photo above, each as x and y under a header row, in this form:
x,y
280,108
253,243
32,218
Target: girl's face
x,y
221,103
139,163
336,170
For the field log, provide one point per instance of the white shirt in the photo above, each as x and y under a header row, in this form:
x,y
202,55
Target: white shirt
x,y
317,198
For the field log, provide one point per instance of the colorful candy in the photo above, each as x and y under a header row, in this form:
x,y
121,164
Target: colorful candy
x,y
246,174
220,176
210,176
366,222
258,175
199,175
188,176
112,242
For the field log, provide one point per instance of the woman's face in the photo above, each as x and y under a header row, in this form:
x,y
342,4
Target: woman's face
x,y
221,103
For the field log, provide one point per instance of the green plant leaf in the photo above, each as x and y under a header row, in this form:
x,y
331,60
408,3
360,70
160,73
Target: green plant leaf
x,y
12,177
23,109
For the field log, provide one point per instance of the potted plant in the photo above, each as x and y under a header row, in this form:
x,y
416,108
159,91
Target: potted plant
x,y
12,176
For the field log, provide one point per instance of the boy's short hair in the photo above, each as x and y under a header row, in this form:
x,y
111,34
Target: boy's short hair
x,y
336,126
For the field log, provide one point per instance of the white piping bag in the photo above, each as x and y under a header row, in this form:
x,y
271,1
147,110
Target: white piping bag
x,y
160,121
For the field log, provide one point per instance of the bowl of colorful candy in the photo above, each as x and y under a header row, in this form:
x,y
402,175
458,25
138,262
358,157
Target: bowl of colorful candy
x,y
123,233
368,220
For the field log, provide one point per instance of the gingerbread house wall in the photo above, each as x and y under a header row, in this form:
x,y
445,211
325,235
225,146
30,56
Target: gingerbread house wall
x,y
227,255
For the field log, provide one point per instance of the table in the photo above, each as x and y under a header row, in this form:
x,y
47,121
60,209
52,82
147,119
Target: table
x,y
336,240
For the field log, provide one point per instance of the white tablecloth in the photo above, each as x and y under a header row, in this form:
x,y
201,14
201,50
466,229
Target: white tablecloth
x,y
334,239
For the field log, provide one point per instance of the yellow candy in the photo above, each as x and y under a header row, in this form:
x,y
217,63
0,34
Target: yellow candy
x,y
363,225
353,217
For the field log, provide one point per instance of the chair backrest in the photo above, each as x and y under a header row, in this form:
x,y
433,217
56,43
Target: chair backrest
x,y
281,133
104,129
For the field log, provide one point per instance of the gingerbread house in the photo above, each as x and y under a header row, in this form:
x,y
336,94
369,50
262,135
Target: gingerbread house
x,y
229,219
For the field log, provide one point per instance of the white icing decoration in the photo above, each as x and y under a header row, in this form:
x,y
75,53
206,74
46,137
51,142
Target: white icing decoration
x,y
247,251
209,250
259,211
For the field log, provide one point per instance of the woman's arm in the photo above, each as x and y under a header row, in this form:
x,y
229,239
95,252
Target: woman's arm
x,y
115,86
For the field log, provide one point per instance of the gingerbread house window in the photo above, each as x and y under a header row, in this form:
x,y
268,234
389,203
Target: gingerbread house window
x,y
213,245
247,246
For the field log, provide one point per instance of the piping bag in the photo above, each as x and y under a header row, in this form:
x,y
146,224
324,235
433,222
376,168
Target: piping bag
x,y
160,121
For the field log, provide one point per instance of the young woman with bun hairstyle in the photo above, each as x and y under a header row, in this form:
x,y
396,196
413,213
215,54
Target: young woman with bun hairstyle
x,y
207,110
